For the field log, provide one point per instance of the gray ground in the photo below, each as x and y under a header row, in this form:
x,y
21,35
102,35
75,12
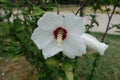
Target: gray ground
x,y
103,20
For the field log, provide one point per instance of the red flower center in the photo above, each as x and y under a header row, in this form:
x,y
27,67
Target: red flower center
x,y
61,31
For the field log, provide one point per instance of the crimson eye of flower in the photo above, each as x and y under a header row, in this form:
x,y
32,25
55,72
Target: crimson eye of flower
x,y
60,32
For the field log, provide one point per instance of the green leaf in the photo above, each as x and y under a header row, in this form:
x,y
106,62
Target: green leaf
x,y
25,11
4,28
69,75
14,58
51,6
47,1
4,1
117,12
8,15
7,3
68,68
18,25
41,75
117,31
96,22
112,1
52,61
23,36
37,11
117,26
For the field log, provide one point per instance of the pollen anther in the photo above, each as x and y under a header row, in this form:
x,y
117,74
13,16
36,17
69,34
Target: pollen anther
x,y
59,38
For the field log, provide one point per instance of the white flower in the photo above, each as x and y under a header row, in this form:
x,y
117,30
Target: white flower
x,y
93,44
63,33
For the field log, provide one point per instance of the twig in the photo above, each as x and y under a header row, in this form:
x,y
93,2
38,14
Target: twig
x,y
107,10
81,8
111,27
92,22
110,17
94,66
57,6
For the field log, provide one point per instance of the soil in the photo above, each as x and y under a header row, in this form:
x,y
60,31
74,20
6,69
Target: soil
x,y
16,70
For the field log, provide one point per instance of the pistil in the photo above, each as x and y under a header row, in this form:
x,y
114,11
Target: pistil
x,y
59,39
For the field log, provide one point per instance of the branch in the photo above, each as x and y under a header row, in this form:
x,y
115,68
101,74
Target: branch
x,y
107,10
81,8
110,17
57,6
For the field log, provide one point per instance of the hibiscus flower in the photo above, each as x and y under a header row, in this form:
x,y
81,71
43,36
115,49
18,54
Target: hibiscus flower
x,y
57,32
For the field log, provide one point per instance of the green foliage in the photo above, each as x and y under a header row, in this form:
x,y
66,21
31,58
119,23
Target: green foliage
x,y
37,11
68,68
117,26
4,29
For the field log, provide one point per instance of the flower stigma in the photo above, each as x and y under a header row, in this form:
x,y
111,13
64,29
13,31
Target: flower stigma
x,y
60,34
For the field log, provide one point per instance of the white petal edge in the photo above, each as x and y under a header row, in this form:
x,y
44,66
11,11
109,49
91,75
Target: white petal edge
x,y
50,21
74,46
51,49
74,24
41,37
94,44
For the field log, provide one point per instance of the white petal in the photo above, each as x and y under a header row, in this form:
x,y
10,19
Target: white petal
x,y
50,21
51,49
94,44
41,37
74,46
75,24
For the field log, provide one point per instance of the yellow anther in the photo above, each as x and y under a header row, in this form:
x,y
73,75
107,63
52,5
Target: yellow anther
x,y
59,39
